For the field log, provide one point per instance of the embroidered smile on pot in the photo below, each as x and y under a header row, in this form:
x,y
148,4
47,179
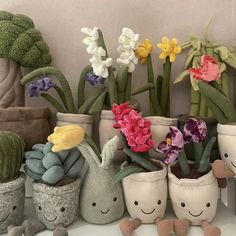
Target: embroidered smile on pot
x,y
62,210
147,212
94,204
5,218
226,155
193,214
50,220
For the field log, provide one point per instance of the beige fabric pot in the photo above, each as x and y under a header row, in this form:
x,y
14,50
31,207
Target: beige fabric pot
x,y
146,194
12,93
193,199
159,128
85,121
106,132
226,142
32,123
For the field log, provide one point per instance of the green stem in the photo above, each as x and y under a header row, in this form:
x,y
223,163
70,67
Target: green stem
x,y
145,88
53,102
198,149
183,162
154,105
203,107
195,102
61,95
60,77
121,78
165,87
159,86
93,146
225,85
81,85
128,87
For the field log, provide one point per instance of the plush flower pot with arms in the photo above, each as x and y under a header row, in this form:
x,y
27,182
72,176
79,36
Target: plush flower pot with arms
x,y
159,94
140,173
56,184
12,189
191,179
101,202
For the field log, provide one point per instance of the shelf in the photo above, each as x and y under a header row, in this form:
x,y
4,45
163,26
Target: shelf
x,y
225,219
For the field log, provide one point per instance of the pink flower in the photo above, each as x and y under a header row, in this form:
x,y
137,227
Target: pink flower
x,y
136,129
209,70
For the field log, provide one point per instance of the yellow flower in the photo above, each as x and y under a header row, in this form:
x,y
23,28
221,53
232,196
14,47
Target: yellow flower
x,y
143,50
66,137
169,48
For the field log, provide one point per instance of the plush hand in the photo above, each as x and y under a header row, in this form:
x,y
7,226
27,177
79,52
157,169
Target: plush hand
x,y
221,170
66,137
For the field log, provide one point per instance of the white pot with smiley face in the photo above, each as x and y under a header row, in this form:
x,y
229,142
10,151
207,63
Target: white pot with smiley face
x,y
12,199
226,142
56,205
193,199
146,194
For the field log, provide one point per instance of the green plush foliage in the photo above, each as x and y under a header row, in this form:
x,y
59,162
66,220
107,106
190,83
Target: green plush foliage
x,y
21,42
44,165
11,155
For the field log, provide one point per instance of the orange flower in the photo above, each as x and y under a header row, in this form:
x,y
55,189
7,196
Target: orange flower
x,y
143,50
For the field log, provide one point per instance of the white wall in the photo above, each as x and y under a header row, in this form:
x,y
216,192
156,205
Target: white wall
x,y
60,22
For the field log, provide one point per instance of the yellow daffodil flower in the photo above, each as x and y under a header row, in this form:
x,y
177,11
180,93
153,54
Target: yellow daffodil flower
x,y
143,50
169,48
66,137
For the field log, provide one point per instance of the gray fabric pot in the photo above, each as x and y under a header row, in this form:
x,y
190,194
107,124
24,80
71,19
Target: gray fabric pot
x,y
56,205
101,201
12,200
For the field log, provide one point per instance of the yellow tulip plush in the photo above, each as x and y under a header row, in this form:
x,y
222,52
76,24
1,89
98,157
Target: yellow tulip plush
x,y
66,137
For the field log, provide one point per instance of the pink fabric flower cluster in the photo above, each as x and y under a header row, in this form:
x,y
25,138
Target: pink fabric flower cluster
x,y
135,128
209,70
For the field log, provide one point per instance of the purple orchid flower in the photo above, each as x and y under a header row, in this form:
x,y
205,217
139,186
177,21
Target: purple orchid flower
x,y
44,84
33,90
94,79
195,131
172,146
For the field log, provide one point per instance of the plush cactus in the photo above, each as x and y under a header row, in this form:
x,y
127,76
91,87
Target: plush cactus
x,y
51,167
11,155
21,42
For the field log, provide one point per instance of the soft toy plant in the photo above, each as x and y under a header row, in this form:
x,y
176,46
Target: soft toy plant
x,y
11,156
20,45
51,167
224,57
117,82
158,88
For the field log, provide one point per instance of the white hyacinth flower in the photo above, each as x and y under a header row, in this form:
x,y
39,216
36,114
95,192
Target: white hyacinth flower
x,y
100,67
128,39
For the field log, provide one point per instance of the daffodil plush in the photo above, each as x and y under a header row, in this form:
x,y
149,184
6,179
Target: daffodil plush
x,y
159,89
66,137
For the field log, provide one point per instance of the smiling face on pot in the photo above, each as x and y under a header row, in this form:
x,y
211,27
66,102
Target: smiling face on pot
x,y
228,150
56,209
12,208
195,203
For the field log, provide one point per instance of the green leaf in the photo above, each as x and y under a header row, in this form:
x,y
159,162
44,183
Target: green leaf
x,y
194,83
126,171
222,67
196,43
144,88
222,51
97,106
190,57
181,76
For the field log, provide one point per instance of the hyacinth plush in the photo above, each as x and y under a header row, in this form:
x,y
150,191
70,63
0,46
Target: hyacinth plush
x,y
117,85
137,136
173,146
159,89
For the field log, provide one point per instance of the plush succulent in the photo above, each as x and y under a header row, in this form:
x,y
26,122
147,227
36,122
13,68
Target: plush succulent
x,y
51,167
11,155
21,42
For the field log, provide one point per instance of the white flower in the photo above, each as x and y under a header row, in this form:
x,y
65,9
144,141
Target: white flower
x,y
128,39
100,67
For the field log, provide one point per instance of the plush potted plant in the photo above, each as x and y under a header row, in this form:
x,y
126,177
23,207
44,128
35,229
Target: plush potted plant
x,y
101,202
12,188
159,95
199,107
140,172
56,183
117,85
188,179
21,46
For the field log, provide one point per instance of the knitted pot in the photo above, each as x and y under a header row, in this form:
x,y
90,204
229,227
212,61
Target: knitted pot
x,y
146,194
193,199
12,199
56,205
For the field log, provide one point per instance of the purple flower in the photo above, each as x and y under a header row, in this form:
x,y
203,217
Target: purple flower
x,y
44,84
195,131
94,79
172,146
33,90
